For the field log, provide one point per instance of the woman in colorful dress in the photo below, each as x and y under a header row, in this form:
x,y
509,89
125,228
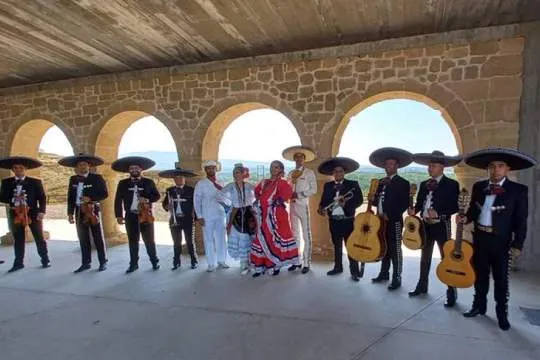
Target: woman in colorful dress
x,y
274,245
241,219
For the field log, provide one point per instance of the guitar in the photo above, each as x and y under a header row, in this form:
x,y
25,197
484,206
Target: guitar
x,y
413,229
366,243
455,268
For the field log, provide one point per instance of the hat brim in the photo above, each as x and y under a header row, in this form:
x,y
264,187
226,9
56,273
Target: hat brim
x,y
172,173
516,160
327,167
27,162
123,164
426,159
72,161
288,153
218,166
378,157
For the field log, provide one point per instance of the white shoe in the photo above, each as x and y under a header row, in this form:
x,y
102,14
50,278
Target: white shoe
x,y
210,268
223,266
244,271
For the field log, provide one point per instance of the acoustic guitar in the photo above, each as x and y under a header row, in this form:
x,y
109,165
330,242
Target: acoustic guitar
x,y
413,229
455,268
366,243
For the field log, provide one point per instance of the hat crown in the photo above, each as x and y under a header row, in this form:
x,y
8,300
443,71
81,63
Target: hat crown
x,y
437,153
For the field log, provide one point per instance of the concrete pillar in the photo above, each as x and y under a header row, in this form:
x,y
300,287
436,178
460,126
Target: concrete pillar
x,y
111,229
195,165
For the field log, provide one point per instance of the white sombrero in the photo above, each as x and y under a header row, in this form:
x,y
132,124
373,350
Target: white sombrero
x,y
208,163
308,152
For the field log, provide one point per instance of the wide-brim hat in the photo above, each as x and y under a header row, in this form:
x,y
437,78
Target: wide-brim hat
x,y
308,152
516,160
123,164
436,156
208,163
177,171
327,167
379,156
27,162
72,161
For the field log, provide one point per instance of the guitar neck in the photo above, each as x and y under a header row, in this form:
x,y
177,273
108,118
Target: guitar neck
x,y
459,234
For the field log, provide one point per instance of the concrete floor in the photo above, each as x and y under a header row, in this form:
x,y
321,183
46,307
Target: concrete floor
x,y
190,314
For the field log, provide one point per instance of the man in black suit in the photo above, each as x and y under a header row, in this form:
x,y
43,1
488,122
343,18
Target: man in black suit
x,y
499,210
178,201
24,191
86,188
391,199
436,202
340,211
132,194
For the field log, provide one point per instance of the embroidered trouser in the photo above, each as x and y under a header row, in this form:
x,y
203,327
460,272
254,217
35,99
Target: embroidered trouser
x,y
341,230
134,232
183,225
301,227
393,250
84,232
19,237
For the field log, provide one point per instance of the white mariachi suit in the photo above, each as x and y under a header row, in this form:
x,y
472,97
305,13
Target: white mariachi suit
x,y
304,186
208,200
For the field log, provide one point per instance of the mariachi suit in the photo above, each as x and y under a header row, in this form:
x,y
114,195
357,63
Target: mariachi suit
x,y
509,212
181,221
444,200
94,187
342,226
36,201
123,203
392,199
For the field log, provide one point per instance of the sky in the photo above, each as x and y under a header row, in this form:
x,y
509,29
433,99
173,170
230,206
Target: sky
x,y
261,135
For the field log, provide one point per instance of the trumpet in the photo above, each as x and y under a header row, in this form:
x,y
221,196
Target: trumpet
x,y
345,197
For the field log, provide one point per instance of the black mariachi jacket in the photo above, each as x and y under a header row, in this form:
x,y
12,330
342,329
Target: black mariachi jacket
x,y
396,198
329,193
185,193
93,186
124,196
444,199
509,222
35,195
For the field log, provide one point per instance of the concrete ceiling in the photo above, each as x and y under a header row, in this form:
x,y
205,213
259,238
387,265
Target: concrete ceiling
x,y
43,40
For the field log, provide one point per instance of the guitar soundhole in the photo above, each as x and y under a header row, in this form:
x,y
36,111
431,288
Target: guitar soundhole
x,y
457,256
411,227
366,228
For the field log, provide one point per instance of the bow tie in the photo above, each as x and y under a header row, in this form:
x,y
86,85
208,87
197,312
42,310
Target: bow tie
x,y
81,178
494,189
18,181
432,185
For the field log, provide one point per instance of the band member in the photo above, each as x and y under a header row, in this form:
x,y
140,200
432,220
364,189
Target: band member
x,y
27,204
436,202
133,207
304,185
85,192
341,209
210,206
241,223
391,199
499,210
178,201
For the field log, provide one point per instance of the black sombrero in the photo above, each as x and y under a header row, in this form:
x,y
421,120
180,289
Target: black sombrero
x,y
72,161
379,156
27,162
177,171
436,156
328,166
308,152
516,160
123,164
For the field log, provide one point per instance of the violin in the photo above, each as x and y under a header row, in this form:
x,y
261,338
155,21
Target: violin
x,y
89,211
21,215
145,212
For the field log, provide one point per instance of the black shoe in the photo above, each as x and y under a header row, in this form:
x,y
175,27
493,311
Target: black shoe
x,y
256,275
276,272
45,264
82,268
16,268
175,266
451,297
2,261
334,272
355,278
293,267
132,268
194,266
474,312
380,278
155,266
503,322
417,292
305,269
102,267
394,285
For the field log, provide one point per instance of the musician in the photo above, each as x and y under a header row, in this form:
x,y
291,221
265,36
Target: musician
x,y
304,185
436,202
85,192
339,201
499,210
178,201
133,207
391,199
25,197
210,205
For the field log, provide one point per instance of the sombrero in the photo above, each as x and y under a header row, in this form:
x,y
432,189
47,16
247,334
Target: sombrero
x,y
327,167
177,171
123,164
289,153
72,161
379,156
436,156
27,162
516,160
208,163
